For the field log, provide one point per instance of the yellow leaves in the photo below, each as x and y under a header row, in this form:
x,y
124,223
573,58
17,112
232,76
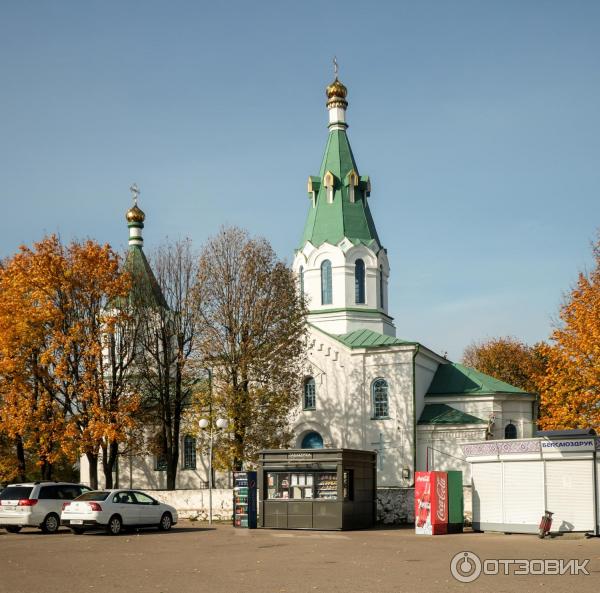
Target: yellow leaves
x,y
570,389
509,360
55,316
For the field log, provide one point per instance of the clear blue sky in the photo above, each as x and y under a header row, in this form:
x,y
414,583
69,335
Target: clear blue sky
x,y
478,122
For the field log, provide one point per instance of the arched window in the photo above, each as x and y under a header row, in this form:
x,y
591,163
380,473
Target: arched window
x,y
381,286
310,394
301,275
379,391
510,432
189,452
312,440
326,294
359,281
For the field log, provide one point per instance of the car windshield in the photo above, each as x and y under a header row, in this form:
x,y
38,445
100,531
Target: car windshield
x,y
94,495
15,492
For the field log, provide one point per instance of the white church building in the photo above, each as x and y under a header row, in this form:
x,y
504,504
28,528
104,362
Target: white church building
x,y
367,388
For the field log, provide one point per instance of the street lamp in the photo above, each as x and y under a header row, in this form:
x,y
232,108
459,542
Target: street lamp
x,y
205,423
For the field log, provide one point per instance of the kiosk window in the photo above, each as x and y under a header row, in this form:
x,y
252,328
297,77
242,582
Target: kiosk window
x,y
302,485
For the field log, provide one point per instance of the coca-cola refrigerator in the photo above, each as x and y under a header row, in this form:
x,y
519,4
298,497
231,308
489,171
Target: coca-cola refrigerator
x,y
431,503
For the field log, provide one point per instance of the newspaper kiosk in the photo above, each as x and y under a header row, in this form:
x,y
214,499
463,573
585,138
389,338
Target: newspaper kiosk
x,y
317,488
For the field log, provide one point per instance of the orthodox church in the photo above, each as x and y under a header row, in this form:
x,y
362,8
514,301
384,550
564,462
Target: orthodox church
x,y
367,388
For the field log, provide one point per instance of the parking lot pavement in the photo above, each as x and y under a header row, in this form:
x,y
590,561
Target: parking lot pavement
x,y
194,558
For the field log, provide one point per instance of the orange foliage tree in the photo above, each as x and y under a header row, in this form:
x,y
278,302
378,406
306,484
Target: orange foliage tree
x,y
63,392
570,394
509,360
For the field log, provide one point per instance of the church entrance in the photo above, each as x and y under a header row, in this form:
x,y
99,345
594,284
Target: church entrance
x,y
312,440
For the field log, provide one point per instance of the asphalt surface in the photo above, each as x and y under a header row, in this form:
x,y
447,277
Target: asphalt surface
x,y
194,558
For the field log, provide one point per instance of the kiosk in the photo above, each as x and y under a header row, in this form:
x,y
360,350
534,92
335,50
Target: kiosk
x,y
317,488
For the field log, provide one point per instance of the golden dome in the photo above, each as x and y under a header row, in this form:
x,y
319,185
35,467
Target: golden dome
x,y
336,89
135,214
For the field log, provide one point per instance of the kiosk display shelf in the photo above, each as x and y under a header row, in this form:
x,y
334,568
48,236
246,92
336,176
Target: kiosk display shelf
x,y
244,499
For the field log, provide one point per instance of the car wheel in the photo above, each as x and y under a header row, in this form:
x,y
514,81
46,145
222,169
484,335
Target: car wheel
x,y
166,522
114,525
13,528
51,523
77,530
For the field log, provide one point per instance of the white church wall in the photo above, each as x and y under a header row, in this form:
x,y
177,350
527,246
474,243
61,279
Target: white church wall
x,y
518,411
443,447
344,410
138,471
425,368
393,437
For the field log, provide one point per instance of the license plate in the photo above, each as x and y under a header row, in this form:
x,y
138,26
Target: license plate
x,y
76,522
7,507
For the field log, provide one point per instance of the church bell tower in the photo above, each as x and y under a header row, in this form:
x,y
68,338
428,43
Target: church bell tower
x,y
343,270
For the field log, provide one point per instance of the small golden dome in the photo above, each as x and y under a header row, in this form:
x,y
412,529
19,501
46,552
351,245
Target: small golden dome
x,y
336,89
135,214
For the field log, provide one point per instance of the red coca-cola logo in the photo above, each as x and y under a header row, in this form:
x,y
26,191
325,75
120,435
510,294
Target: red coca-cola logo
x,y
441,491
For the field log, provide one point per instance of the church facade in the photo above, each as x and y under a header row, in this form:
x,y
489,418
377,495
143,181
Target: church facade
x,y
367,388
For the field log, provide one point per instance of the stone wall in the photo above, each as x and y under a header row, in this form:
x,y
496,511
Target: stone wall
x,y
395,505
194,504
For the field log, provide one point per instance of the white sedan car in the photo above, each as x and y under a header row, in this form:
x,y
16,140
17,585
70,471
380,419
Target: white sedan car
x,y
114,510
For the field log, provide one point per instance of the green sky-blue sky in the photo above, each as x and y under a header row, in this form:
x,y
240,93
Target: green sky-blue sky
x,y
477,121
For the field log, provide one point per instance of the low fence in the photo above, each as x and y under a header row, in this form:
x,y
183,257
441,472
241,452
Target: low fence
x,y
194,504
394,505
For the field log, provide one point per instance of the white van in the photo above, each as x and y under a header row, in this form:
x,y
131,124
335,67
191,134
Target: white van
x,y
36,504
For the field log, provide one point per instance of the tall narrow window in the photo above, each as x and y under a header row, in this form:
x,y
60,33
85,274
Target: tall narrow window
x,y
310,394
301,275
380,398
160,457
510,432
381,286
189,452
326,293
359,281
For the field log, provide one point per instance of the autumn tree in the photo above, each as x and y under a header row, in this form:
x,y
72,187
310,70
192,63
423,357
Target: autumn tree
x,y
30,414
167,352
253,327
57,324
509,360
570,394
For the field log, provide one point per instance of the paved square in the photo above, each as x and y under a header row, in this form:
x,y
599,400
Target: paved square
x,y
193,558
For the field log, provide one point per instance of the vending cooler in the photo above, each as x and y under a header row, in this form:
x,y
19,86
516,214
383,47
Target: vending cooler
x,y
431,503
244,499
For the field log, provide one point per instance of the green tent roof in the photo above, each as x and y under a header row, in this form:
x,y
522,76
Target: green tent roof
x,y
145,286
456,379
365,338
444,414
331,222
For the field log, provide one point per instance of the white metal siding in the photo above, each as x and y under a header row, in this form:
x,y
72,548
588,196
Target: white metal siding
x,y
523,492
570,494
487,492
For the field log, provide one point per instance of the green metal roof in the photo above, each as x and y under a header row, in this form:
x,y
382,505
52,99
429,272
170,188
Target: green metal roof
x,y
456,379
365,338
145,286
331,222
444,414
